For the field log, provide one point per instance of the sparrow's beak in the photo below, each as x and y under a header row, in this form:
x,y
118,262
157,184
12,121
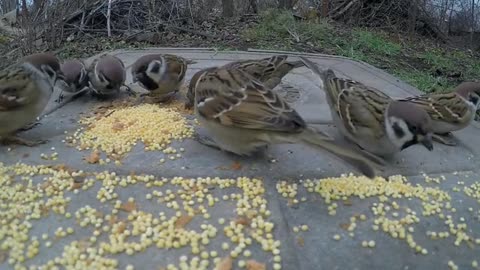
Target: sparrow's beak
x,y
427,142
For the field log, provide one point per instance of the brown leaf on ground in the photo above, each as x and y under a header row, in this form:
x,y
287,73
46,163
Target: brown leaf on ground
x,y
254,265
236,166
128,206
121,227
3,256
243,220
117,126
301,241
182,221
113,219
347,203
93,158
345,226
63,167
77,185
225,264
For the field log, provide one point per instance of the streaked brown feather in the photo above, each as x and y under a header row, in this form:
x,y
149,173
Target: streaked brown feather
x,y
448,107
234,98
15,89
269,71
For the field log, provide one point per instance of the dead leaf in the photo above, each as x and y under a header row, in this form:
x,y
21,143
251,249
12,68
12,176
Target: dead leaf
x,y
254,265
301,241
117,126
345,226
347,203
121,227
83,245
3,256
182,221
236,166
225,264
76,185
113,219
93,158
45,185
243,220
128,206
98,214
62,167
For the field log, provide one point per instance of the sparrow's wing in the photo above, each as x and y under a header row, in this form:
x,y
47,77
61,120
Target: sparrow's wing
x,y
448,107
233,98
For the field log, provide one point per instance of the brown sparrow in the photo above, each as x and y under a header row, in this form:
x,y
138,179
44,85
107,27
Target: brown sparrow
x,y
160,74
450,111
243,116
270,71
106,75
25,90
76,76
370,118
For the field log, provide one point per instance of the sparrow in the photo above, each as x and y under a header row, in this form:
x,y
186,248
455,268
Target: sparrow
x,y
270,71
366,116
76,76
160,74
25,90
106,75
244,116
450,111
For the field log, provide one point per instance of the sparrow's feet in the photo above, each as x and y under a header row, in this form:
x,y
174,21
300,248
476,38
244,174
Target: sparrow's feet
x,y
60,98
130,92
30,126
446,139
206,140
22,141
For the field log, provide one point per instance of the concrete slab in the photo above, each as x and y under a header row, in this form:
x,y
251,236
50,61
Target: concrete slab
x,y
311,249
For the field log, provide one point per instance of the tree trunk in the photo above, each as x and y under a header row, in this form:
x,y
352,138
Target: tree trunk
x,y
285,4
325,8
473,24
7,5
253,5
228,8
24,8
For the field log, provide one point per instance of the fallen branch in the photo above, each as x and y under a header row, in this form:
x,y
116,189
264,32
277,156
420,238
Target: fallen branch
x,y
109,12
335,14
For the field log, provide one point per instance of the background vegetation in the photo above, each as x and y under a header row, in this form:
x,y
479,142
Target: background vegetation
x,y
432,44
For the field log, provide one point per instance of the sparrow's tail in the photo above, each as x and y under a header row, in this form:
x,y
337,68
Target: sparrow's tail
x,y
330,86
363,164
296,64
190,61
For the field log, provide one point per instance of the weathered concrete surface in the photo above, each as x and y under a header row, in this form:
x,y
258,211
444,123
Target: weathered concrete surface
x,y
293,162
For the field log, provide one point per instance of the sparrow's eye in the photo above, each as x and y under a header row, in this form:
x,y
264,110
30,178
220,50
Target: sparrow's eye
x,y
398,130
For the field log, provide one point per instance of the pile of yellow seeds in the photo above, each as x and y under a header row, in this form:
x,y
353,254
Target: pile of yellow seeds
x,y
91,235
389,215
120,129
134,213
